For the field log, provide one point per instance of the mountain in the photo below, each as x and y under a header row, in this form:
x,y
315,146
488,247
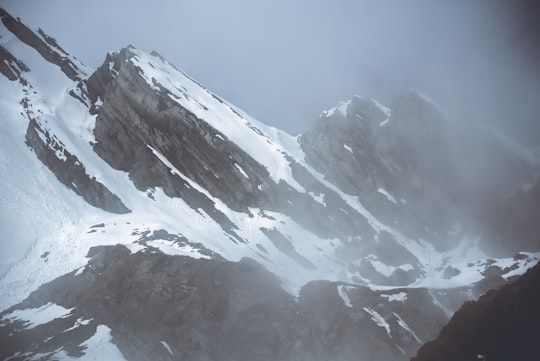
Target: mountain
x,y
145,217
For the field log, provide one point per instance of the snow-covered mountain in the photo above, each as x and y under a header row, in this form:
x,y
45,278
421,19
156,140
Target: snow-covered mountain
x,y
359,238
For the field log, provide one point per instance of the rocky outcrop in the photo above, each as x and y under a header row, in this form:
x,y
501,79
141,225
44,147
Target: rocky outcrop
x,y
143,130
45,45
135,117
10,66
396,161
69,171
213,309
501,325
418,171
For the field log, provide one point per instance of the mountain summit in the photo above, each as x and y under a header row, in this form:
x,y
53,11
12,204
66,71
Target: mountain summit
x,y
148,218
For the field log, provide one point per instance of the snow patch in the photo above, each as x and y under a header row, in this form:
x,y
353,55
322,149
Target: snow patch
x,y
378,319
167,347
241,170
341,108
79,322
385,269
33,317
406,327
387,195
396,297
174,249
98,347
343,293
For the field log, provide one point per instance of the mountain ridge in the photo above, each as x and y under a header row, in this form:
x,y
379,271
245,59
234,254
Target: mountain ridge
x,y
200,178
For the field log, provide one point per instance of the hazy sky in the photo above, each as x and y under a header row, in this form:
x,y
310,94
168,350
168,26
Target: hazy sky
x,y
285,61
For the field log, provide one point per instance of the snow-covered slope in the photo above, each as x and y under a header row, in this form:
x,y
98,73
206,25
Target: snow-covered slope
x,y
139,154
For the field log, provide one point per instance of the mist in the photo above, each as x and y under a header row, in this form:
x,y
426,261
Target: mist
x,y
284,63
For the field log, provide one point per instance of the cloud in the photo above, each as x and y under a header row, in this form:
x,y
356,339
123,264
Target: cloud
x,y
284,62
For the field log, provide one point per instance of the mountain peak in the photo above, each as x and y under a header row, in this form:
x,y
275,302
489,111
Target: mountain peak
x,y
359,108
137,196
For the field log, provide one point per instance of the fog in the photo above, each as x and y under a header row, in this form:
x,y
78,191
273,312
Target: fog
x,y
284,62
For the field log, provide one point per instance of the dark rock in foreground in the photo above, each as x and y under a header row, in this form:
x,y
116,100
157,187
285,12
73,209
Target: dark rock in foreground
x,y
213,309
502,325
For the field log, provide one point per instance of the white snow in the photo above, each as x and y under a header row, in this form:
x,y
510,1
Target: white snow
x,y
98,347
348,148
172,248
387,195
378,319
343,293
384,122
44,216
396,297
241,170
33,317
341,108
382,108
79,322
406,327
385,269
166,345
318,197
265,144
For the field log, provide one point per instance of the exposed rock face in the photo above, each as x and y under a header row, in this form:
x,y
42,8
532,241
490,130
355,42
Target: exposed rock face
x,y
212,309
501,325
45,45
138,123
10,66
376,190
135,117
414,168
395,160
69,171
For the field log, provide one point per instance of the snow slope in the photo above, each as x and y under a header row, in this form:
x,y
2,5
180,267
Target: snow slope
x,y
54,228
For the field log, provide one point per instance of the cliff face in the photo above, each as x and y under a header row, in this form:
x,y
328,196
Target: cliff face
x,y
501,325
69,170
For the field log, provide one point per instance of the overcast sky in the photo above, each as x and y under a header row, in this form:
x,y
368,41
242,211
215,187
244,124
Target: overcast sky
x,y
285,61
